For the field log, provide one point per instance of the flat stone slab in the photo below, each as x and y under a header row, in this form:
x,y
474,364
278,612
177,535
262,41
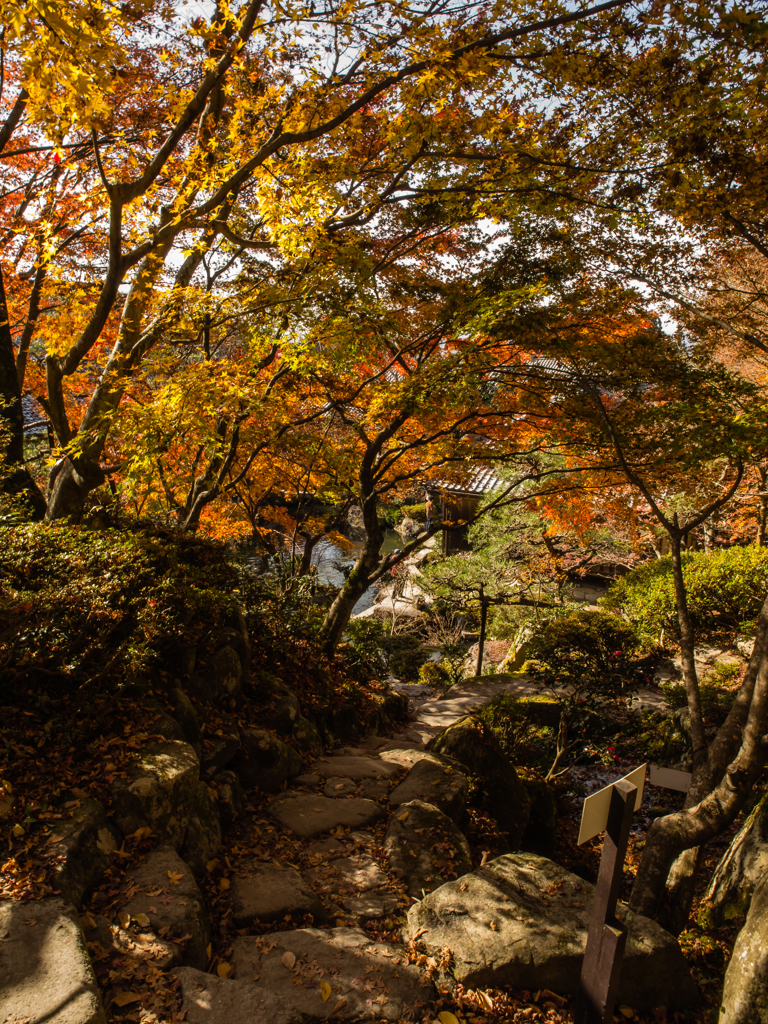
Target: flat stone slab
x,y
309,814
45,971
208,999
434,783
337,785
170,897
370,905
369,980
271,892
522,920
348,874
355,767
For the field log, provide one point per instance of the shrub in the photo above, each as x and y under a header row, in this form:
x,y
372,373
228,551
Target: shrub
x,y
78,602
417,512
433,674
725,587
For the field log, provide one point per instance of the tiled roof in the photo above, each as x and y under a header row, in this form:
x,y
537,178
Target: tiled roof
x,y
480,481
35,420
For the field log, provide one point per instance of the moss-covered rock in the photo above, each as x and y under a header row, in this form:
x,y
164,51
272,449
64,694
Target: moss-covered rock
x,y
495,783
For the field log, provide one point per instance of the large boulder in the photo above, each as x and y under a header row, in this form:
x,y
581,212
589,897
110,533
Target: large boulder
x,y
352,766
165,891
500,791
745,994
203,837
86,845
306,737
207,999
436,783
426,847
369,980
220,747
284,713
159,792
265,761
185,714
742,866
522,920
45,971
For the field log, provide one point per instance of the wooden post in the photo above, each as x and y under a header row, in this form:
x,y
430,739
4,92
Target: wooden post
x,y
481,643
607,936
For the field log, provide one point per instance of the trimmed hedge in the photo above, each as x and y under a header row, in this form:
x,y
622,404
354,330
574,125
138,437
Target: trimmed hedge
x,y
725,588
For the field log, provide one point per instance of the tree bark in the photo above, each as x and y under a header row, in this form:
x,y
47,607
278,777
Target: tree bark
x,y
687,640
16,481
483,621
358,580
718,789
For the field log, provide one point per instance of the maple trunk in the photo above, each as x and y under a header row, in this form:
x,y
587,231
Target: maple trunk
x,y
720,785
15,479
687,642
359,579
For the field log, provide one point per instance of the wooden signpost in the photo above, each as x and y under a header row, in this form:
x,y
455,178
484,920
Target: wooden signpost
x,y
610,809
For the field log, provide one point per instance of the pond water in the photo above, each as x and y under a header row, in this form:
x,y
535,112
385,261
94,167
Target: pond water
x,y
330,559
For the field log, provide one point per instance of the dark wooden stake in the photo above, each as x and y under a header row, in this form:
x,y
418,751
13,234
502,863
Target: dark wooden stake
x,y
607,936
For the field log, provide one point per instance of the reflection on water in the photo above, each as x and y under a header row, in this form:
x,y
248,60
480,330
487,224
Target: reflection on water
x,y
330,560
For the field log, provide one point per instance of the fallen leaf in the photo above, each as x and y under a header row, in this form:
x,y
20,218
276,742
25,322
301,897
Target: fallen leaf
x,y
142,920
126,997
446,1017
627,1011
208,950
125,920
30,922
485,1001
18,830
402,817
212,864
289,959
223,883
79,793
175,876
87,922
224,970
325,991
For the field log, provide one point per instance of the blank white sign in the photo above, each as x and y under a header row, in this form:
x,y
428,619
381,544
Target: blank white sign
x,y
670,778
594,816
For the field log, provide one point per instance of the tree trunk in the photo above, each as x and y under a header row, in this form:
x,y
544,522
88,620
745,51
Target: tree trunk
x,y
762,514
681,889
359,579
717,794
481,642
16,481
69,486
687,642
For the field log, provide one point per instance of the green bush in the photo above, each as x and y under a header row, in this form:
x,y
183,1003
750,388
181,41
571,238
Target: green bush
x,y
433,674
524,727
417,512
77,601
725,588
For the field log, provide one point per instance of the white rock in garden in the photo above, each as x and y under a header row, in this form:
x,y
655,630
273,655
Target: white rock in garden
x,y
269,893
45,971
368,980
522,921
207,999
309,814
